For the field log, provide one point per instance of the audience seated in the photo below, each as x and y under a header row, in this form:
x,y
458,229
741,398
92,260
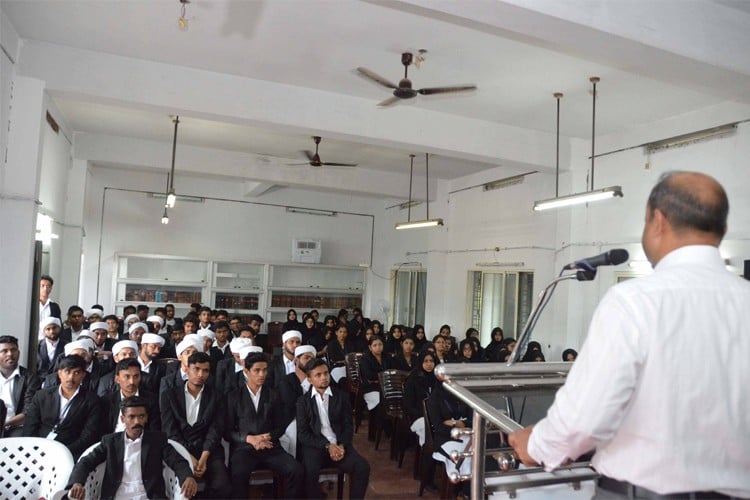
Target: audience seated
x,y
283,365
128,379
124,349
418,386
290,390
50,346
17,386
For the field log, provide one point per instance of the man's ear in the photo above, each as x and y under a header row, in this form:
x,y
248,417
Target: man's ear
x,y
659,223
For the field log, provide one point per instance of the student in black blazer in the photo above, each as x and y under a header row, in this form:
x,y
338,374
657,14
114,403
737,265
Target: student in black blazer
x,y
253,429
25,385
284,364
325,440
128,378
199,431
50,328
154,449
74,422
229,375
295,385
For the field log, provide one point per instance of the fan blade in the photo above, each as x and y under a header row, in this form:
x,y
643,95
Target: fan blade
x,y
329,164
376,78
309,154
389,102
446,90
297,164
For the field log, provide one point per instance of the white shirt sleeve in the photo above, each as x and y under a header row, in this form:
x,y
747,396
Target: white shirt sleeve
x,y
589,408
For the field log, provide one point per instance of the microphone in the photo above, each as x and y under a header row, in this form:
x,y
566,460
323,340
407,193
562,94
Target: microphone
x,y
613,257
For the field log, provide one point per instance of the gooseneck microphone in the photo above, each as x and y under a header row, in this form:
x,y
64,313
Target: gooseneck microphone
x,y
613,257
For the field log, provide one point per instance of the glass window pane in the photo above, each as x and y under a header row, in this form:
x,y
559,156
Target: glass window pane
x,y
509,317
492,300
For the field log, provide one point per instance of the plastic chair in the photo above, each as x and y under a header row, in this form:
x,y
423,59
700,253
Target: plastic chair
x,y
95,478
32,467
354,381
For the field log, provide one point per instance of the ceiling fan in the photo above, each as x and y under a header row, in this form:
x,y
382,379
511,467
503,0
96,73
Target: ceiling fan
x,y
404,88
315,158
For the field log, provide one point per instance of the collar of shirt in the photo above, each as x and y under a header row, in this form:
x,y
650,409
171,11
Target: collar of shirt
x,y
254,397
183,375
42,305
328,392
289,365
703,255
221,348
52,343
90,367
306,385
16,373
200,393
237,368
144,366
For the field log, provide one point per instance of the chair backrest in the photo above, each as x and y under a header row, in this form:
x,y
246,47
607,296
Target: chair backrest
x,y
427,425
392,390
33,467
3,416
352,361
172,486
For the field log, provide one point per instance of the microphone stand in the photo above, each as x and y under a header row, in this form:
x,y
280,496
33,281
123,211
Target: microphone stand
x,y
544,297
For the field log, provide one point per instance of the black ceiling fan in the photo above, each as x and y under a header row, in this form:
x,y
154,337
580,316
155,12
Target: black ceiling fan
x,y
315,158
404,88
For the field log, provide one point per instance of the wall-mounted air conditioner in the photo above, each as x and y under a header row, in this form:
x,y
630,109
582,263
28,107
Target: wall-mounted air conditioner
x,y
306,251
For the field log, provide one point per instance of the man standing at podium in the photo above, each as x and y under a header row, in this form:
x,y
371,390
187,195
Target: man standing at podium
x,y
666,414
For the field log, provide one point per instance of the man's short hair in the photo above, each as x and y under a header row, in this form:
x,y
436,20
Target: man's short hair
x,y
220,324
205,309
110,317
313,364
71,362
47,277
199,357
255,317
128,308
126,364
160,310
133,402
8,339
191,318
73,309
686,210
254,357
142,307
169,305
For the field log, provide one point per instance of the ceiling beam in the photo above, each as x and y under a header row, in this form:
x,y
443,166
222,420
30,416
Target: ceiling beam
x,y
97,77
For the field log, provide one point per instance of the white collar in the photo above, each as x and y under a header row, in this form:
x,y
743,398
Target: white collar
x,y
123,396
16,373
131,442
260,389
328,392
59,391
200,393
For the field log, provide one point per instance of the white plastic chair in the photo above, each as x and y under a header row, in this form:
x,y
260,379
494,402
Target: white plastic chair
x,y
94,480
32,467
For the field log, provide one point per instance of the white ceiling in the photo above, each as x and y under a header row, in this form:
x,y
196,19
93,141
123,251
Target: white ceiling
x,y
318,44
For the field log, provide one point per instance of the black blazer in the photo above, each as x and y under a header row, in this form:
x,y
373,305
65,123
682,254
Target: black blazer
x,y
206,433
227,379
289,391
217,356
111,410
90,380
80,427
369,368
43,365
308,420
276,372
417,388
24,388
106,384
442,406
337,355
152,379
242,419
111,450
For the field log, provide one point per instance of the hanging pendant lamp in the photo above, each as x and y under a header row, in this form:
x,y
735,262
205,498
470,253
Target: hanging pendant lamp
x,y
409,224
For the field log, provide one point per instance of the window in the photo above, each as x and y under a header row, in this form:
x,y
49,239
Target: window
x,y
409,290
501,299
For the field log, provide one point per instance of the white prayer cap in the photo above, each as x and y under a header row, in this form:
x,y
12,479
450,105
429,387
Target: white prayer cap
x,y
238,343
98,325
132,316
152,338
95,311
291,334
156,318
250,349
205,332
86,344
86,334
302,349
124,344
186,342
49,320
137,325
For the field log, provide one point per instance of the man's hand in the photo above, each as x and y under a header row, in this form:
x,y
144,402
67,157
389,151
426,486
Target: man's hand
x,y
189,487
197,472
259,441
519,440
336,452
77,492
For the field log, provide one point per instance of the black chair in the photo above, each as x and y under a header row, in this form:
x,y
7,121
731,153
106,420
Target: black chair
x,y
430,466
354,386
391,406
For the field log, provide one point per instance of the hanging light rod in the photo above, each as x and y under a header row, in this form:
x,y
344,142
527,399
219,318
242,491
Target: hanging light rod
x,y
171,196
579,198
165,217
419,223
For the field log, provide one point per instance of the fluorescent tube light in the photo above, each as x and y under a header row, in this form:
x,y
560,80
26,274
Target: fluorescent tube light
x,y
500,264
579,198
310,211
508,181
682,140
171,199
419,223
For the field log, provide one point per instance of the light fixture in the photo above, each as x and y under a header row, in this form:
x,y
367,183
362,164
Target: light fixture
x,y
311,211
182,21
171,196
501,183
500,264
165,217
592,194
409,224
579,198
692,137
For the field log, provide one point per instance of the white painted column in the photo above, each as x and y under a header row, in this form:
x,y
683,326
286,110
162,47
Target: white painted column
x,y
19,189
72,237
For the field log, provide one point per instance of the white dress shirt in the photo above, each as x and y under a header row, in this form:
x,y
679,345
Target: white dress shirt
x,y
254,397
65,403
51,346
44,309
6,391
664,408
325,422
237,367
145,367
131,487
119,425
192,405
289,364
305,385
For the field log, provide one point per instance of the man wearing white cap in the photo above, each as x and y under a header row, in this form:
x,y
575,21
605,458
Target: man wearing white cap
x,y
176,376
252,425
227,369
50,347
136,331
292,386
207,337
284,365
124,349
94,314
98,331
153,371
83,347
